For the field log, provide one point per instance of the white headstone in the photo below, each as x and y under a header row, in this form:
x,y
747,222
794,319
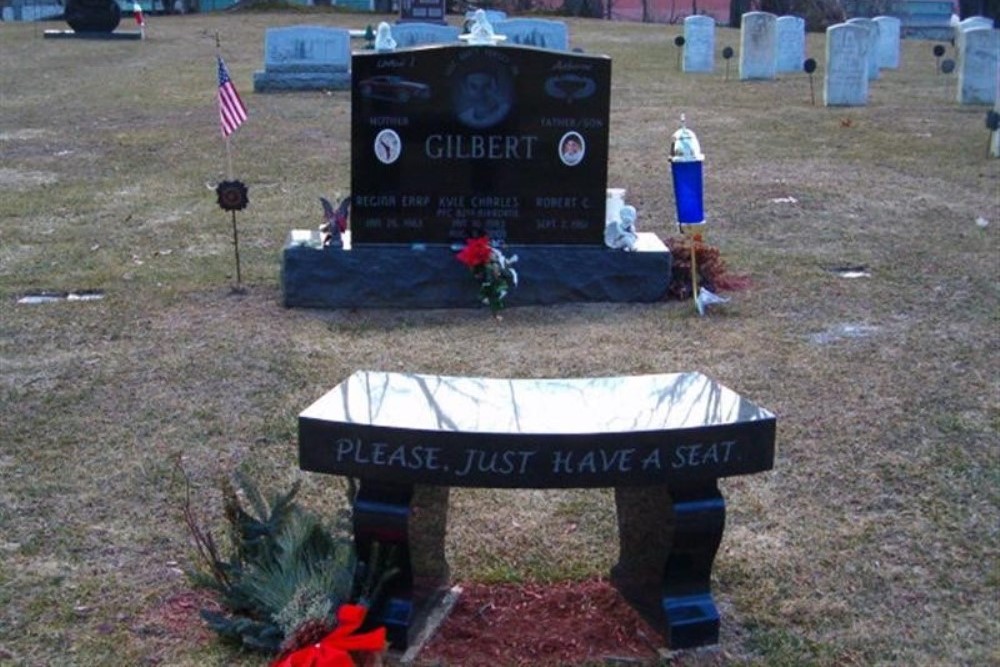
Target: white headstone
x,y
699,43
979,65
305,57
846,76
889,28
414,33
791,43
873,39
758,46
542,33
970,23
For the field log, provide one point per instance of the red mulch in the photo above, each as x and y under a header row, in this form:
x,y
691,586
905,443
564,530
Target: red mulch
x,y
540,624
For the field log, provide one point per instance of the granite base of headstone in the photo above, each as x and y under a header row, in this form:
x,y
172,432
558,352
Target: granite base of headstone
x,y
305,58
429,276
98,36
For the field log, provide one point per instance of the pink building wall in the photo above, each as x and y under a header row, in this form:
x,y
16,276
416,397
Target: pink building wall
x,y
670,11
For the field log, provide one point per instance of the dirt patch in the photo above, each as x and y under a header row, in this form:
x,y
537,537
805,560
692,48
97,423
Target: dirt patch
x,y
536,624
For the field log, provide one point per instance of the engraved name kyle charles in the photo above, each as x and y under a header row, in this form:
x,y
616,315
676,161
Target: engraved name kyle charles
x,y
355,452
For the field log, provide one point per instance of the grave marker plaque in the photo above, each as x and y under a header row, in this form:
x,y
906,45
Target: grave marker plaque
x,y
453,142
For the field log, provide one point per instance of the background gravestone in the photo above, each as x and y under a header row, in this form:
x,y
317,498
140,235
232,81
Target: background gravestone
x,y
93,15
791,36
871,30
758,46
845,81
699,44
423,11
977,66
419,34
454,142
888,41
543,33
305,57
970,23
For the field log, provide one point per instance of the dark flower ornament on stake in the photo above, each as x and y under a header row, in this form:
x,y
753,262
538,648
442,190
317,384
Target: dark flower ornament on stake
x,y
232,197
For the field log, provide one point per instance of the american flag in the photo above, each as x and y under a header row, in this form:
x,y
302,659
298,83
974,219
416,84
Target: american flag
x,y
232,113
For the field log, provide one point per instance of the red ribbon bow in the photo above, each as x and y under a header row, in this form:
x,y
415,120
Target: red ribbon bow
x,y
333,650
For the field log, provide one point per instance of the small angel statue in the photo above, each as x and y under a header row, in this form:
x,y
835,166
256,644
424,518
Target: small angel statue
x,y
621,233
481,31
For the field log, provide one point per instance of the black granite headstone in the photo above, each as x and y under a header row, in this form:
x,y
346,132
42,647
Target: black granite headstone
x,y
93,15
454,142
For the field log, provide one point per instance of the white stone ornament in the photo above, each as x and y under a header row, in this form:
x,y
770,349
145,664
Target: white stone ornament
x,y
481,31
383,38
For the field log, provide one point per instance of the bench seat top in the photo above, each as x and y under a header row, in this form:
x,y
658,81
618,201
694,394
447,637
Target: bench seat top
x,y
531,433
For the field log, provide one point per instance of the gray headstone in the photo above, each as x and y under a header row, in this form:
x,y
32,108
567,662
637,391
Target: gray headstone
x,y
871,29
978,65
541,33
305,57
846,76
888,41
699,44
791,43
419,34
758,46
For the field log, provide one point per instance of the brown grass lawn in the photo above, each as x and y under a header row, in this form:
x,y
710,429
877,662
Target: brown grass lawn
x,y
874,541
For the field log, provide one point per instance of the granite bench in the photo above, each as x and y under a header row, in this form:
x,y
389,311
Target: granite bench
x,y
661,441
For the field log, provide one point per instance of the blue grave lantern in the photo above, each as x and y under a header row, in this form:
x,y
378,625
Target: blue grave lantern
x,y
686,161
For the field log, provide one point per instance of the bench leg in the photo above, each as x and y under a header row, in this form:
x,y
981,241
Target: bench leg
x,y
381,515
699,519
668,540
410,521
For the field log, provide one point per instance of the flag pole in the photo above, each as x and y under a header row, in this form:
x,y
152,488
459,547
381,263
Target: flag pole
x,y
229,150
